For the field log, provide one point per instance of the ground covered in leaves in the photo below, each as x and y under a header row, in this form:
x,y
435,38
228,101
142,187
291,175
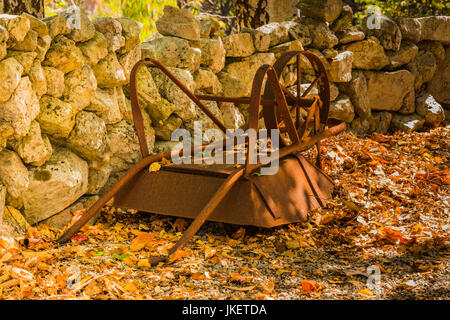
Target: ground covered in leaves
x,y
385,235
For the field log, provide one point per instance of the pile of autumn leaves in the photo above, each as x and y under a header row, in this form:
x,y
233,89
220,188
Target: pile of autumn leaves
x,y
391,194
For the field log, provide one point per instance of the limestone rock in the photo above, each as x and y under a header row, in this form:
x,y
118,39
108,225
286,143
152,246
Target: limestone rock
x,y
430,109
36,24
64,55
400,84
435,47
212,53
350,34
98,178
209,25
435,28
279,50
174,52
356,89
389,33
34,148
43,44
94,49
341,67
231,86
261,41
232,117
56,117
84,30
380,122
57,25
13,173
298,31
4,36
439,86
277,32
17,26
64,218
164,131
168,90
206,80
165,146
55,81
407,52
411,29
344,19
124,145
88,137
325,10
178,23
203,123
55,185
29,43
245,70
112,30
80,86
6,131
25,58
10,74
105,104
109,72
147,88
342,109
37,78
321,35
407,123
423,67
368,54
238,45
160,111
129,59
21,108
131,30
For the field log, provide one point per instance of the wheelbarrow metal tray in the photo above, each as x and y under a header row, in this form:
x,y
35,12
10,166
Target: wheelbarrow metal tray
x,y
263,201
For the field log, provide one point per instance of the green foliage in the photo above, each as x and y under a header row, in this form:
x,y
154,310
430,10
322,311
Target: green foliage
x,y
406,8
144,11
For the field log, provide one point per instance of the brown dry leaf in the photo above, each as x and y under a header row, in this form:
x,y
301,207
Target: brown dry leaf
x,y
154,167
366,292
239,234
310,285
180,224
77,215
198,276
142,240
178,255
144,263
240,288
268,287
209,252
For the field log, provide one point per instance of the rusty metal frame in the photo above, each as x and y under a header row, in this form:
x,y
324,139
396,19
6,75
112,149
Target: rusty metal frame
x,y
275,101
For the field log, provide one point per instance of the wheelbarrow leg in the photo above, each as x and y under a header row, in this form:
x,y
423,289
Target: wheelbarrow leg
x,y
202,217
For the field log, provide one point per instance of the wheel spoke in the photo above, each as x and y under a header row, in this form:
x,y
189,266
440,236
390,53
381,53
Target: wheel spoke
x,y
311,86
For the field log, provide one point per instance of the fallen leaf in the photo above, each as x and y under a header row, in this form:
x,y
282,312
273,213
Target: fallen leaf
x,y
178,255
310,285
240,288
142,240
155,166
366,292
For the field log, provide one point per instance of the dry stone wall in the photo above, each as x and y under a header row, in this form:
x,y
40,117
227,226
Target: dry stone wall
x,y
66,130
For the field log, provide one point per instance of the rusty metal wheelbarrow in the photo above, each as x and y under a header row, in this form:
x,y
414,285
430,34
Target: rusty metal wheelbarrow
x,y
229,193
